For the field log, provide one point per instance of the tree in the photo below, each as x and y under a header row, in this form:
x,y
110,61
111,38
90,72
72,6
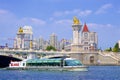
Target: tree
x,y
108,49
116,48
49,48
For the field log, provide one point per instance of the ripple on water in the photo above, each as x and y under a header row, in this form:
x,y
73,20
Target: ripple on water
x,y
93,73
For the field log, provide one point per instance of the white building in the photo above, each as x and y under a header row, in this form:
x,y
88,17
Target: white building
x,y
53,40
64,43
119,43
46,44
19,40
83,40
24,38
76,44
28,37
41,43
89,39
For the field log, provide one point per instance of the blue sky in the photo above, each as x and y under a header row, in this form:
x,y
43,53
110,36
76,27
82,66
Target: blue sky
x,y
55,16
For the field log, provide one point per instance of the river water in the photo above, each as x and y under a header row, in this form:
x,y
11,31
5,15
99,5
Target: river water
x,y
93,73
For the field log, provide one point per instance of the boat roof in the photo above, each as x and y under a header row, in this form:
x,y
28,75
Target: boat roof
x,y
58,60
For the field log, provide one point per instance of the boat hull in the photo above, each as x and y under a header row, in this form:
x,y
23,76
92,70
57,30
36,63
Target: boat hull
x,y
51,68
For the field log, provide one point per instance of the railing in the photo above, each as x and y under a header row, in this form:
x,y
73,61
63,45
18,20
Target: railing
x,y
46,52
113,55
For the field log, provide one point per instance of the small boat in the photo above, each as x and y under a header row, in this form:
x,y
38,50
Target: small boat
x,y
57,63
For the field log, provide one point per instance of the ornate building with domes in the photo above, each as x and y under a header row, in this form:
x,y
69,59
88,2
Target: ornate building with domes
x,y
24,38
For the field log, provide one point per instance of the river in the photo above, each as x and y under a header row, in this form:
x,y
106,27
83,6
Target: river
x,y
93,73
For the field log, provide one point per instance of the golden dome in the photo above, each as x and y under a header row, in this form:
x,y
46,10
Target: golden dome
x,y
76,21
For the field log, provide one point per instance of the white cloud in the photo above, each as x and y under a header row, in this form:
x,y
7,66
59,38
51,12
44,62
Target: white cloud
x,y
98,26
73,12
3,11
7,17
108,34
57,14
65,21
103,9
85,13
38,21
118,11
31,21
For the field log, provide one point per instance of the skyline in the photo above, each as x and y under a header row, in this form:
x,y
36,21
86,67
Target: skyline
x,y
55,16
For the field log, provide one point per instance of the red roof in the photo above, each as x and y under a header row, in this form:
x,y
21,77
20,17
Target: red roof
x,y
85,28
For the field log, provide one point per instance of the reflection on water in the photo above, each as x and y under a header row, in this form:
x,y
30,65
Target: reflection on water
x,y
93,73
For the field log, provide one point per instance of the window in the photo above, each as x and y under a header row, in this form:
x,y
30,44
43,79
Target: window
x,y
86,43
86,48
72,63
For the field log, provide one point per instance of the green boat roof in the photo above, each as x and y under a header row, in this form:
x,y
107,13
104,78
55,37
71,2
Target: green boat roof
x,y
43,61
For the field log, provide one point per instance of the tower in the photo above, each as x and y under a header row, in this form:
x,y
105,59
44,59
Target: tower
x,y
76,44
28,36
89,39
41,43
20,38
24,37
85,37
53,40
76,31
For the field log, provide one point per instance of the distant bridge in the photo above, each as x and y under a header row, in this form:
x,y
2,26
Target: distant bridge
x,y
23,54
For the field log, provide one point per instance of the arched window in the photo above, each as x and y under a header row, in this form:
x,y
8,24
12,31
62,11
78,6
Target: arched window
x,y
92,59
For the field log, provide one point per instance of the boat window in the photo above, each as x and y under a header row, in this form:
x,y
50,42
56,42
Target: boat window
x,y
44,62
72,63
23,64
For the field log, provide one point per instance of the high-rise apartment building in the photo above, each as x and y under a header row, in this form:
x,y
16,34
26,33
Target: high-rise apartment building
x,y
53,40
41,43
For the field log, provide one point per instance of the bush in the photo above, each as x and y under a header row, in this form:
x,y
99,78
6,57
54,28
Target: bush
x,y
49,48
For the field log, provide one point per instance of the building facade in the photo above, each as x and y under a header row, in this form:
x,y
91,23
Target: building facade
x,y
28,37
24,38
89,39
83,39
119,43
41,43
54,40
76,44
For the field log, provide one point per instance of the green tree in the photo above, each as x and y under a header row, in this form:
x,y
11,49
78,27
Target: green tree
x,y
108,49
49,48
116,48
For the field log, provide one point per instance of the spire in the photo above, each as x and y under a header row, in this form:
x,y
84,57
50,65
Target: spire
x,y
85,28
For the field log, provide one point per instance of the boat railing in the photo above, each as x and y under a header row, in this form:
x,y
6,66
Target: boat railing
x,y
43,66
